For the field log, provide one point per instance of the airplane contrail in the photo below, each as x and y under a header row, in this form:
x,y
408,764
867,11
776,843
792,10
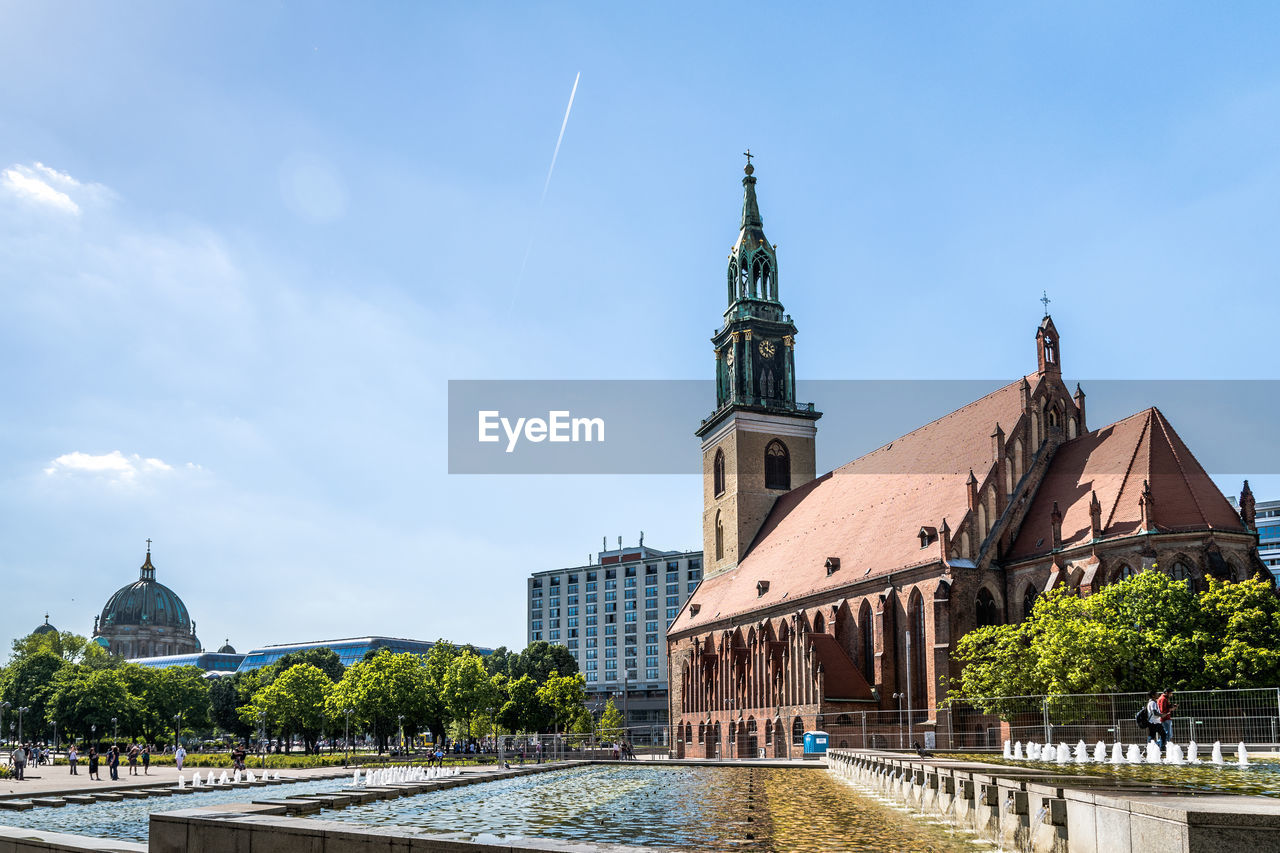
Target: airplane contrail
x,y
560,138
545,186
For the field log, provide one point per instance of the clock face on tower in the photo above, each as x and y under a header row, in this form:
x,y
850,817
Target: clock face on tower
x,y
767,349
728,357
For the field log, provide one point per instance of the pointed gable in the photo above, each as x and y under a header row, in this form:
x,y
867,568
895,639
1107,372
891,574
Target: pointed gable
x,y
1118,462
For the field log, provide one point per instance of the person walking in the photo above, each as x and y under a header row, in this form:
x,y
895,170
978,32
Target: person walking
x,y
18,760
93,764
1155,728
133,759
1167,706
73,758
146,759
179,755
113,762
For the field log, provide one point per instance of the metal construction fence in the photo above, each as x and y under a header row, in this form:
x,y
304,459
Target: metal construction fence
x,y
1205,716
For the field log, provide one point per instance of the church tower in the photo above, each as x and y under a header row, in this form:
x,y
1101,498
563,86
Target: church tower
x,y
758,443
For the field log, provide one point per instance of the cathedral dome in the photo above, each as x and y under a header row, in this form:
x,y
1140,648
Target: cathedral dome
x,y
227,648
146,603
46,628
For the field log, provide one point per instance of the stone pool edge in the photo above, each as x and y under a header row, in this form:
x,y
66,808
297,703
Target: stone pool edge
x,y
1054,812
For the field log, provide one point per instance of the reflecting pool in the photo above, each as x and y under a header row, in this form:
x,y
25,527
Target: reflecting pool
x,y
127,820
703,808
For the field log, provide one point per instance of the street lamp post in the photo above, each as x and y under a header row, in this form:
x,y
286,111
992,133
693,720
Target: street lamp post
x,y
909,732
93,735
899,697
400,727
262,737
177,729
115,724
21,711
346,737
53,724
4,706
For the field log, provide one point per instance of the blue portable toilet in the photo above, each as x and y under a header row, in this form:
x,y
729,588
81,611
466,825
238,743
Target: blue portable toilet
x,y
815,744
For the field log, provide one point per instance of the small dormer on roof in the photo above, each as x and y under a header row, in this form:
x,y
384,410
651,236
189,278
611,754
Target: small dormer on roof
x,y
927,535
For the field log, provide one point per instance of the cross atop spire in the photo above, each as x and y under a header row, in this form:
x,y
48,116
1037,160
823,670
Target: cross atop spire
x,y
148,546
1044,298
749,168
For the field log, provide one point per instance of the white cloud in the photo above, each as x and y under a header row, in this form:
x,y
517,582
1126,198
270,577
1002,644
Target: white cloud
x,y
46,186
112,466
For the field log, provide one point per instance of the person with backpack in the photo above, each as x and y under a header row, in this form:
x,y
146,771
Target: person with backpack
x,y
1149,716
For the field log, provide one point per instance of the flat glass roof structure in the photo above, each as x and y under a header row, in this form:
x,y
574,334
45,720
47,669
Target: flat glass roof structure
x,y
208,661
349,651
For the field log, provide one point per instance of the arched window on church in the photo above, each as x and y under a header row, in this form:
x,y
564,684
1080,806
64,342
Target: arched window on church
x,y
868,643
982,520
733,280
1072,429
719,537
777,466
1017,460
1124,572
1029,601
987,612
1050,350
1052,416
760,273
919,667
797,731
717,475
819,624
1182,572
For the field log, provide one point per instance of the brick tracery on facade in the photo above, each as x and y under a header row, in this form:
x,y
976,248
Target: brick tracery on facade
x,y
832,595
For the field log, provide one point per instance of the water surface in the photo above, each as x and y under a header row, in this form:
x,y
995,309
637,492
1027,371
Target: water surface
x,y
701,808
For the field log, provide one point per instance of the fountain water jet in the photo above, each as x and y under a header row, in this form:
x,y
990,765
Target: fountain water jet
x,y
1100,752
1153,752
1017,751
1173,754
1008,749
1134,755
1192,758
1082,753
1117,753
1242,756
1217,753
1064,753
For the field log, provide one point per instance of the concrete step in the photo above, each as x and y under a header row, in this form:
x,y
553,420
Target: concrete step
x,y
49,802
80,799
16,805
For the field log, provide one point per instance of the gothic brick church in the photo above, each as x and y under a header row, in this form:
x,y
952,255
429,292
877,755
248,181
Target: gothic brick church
x,y
826,596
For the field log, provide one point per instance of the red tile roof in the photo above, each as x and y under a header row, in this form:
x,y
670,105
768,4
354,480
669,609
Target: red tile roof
x,y
868,513
1115,461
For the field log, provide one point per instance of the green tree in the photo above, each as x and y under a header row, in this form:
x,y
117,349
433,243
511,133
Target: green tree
x,y
612,725
323,658
71,648
295,703
84,697
227,695
382,690
499,663
564,696
28,682
176,691
541,660
469,689
437,664
1143,632
523,710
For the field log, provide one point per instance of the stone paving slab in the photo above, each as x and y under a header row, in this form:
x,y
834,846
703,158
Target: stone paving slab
x,y
48,802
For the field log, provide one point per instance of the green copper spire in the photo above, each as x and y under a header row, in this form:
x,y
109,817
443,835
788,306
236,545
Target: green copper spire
x,y
753,265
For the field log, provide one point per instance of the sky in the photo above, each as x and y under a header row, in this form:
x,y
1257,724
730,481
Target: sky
x,y
244,246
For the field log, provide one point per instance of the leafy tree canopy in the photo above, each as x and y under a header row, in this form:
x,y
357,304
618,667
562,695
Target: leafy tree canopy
x,y
1147,631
